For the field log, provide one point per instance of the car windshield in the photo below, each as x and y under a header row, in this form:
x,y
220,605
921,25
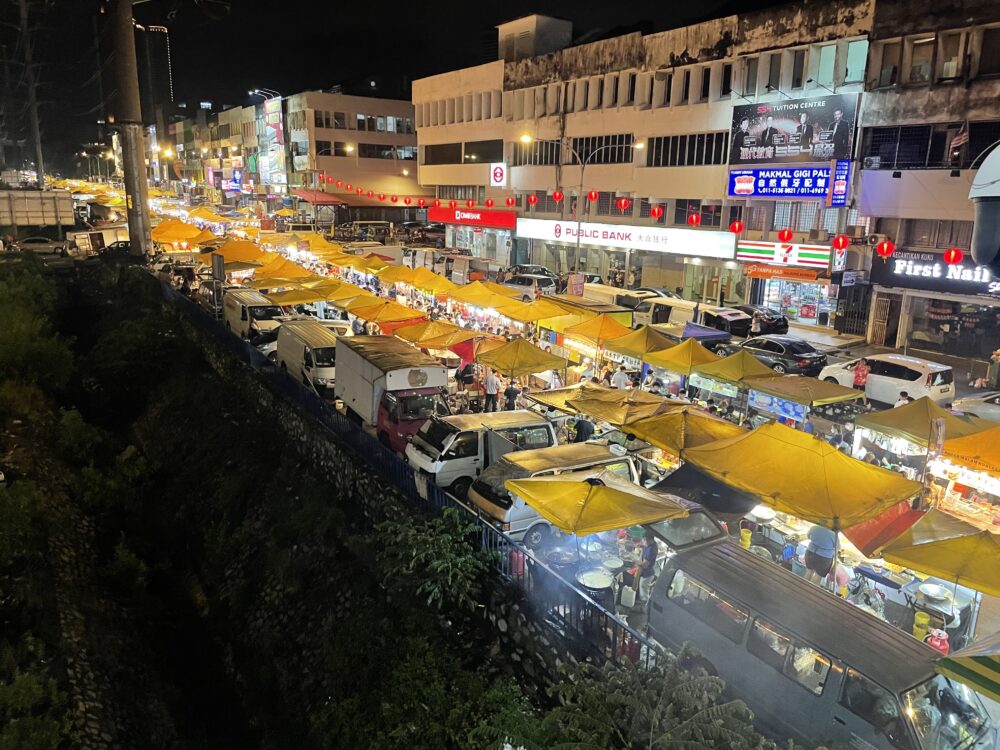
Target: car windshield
x,y
942,377
947,715
435,434
490,482
800,347
265,312
422,406
693,528
325,356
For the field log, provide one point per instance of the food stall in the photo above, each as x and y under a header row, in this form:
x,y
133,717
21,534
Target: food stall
x,y
633,348
673,366
965,478
729,378
577,310
796,398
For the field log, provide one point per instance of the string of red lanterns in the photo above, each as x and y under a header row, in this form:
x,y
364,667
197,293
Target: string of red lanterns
x,y
623,203
840,242
736,227
785,235
511,200
885,248
656,212
694,219
557,196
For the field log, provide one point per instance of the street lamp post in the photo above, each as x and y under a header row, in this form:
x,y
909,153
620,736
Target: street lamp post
x,y
583,162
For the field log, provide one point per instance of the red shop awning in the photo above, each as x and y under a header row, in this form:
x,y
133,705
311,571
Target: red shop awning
x,y
317,197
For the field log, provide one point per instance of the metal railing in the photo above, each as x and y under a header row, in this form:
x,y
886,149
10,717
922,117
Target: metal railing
x,y
568,613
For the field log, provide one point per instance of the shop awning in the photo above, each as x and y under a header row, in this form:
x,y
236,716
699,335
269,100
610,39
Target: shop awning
x,y
977,666
736,368
682,358
520,357
800,389
683,427
979,451
560,397
915,422
619,407
944,546
872,535
317,197
802,475
597,503
598,330
642,341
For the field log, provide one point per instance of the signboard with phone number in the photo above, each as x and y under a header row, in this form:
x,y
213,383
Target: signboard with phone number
x,y
827,182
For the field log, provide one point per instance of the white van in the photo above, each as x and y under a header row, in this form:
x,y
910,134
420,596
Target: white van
x,y
247,312
455,450
307,350
662,310
891,374
512,514
612,295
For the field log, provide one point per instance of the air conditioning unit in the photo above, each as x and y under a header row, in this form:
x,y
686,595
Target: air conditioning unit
x,y
874,239
873,162
818,235
856,230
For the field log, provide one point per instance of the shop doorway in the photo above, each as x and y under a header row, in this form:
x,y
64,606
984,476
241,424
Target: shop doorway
x,y
852,309
885,319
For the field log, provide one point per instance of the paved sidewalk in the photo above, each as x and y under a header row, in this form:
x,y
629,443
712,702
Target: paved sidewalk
x,y
824,339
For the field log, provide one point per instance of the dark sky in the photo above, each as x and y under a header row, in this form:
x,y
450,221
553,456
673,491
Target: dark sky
x,y
293,45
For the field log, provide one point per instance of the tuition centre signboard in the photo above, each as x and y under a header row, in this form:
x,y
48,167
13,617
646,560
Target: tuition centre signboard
x,y
928,272
818,129
784,254
696,243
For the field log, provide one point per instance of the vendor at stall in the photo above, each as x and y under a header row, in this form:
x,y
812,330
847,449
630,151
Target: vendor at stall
x,y
819,555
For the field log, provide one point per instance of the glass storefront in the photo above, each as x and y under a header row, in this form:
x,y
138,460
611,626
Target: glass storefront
x,y
801,302
705,282
493,244
952,327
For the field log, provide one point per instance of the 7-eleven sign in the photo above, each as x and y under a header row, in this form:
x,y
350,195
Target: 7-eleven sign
x,y
784,254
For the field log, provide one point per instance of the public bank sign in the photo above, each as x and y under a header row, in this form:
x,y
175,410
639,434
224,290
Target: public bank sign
x,y
929,272
693,242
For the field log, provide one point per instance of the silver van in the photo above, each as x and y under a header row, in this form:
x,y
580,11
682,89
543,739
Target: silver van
x,y
518,519
455,450
248,313
307,351
811,666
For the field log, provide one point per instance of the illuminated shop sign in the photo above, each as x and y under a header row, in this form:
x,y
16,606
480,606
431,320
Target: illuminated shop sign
x,y
693,242
828,182
928,272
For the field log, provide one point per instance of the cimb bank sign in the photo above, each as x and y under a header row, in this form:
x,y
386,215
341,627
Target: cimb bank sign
x,y
694,242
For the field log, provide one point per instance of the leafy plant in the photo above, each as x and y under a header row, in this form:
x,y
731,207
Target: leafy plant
x,y
126,571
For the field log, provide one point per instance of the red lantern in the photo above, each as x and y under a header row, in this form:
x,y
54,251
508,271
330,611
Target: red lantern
x,y
557,196
736,227
360,191
656,212
340,183
407,201
511,201
532,199
322,176
885,248
394,199
437,203
421,202
623,204
840,242
953,256
694,219
785,235
371,193
329,180
592,196
350,187
452,204
489,203
470,204
381,196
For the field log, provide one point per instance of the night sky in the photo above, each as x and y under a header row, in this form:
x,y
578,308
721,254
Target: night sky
x,y
293,45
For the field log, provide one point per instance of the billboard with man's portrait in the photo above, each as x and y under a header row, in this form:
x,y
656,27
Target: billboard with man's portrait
x,y
794,130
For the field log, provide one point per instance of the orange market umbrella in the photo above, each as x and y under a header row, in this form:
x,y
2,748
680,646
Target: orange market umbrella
x,y
478,295
243,250
529,312
598,330
431,329
386,312
640,342
682,358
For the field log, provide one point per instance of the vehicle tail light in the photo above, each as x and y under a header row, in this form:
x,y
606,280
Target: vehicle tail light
x,y
805,362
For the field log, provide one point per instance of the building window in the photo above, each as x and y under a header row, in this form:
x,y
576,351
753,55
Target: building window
x,y
667,89
950,55
774,71
706,83
750,79
604,203
727,79
340,120
685,150
323,148
603,149
857,59
317,119
889,69
684,207
921,55
376,151
630,94
537,153
340,149
361,122
989,55
477,152
827,60
458,192
443,153
644,209
798,67
686,87
372,124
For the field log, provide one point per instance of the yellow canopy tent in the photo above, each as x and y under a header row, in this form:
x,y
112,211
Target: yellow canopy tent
x,y
374,264
285,212
477,295
172,230
682,358
980,451
597,503
683,427
529,312
296,297
386,312
915,422
642,341
598,330
234,266
500,289
560,398
805,390
437,285
347,291
619,407
318,242
519,357
736,368
951,549
364,298
395,275
244,250
429,329
269,283
283,269
206,214
977,666
449,340
326,283
802,475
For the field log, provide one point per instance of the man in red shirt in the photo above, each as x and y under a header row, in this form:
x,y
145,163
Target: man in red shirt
x,y
861,370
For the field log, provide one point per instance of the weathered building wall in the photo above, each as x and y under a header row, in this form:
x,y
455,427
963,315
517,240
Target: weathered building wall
x,y
597,58
901,17
802,23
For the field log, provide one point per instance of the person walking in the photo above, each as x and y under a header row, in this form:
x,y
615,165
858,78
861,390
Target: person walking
x,y
755,323
620,379
819,555
492,387
861,372
510,394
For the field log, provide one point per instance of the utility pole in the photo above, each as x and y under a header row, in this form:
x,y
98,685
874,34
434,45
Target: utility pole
x,y
4,108
29,77
128,117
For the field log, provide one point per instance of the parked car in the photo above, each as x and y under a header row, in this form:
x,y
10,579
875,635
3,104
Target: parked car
x,y
531,286
783,354
891,374
985,405
772,321
532,270
121,247
40,245
659,291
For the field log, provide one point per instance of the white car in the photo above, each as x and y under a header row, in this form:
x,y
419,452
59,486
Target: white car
x,y
892,374
41,245
530,285
985,405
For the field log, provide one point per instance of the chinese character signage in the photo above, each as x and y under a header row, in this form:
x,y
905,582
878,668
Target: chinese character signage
x,y
841,180
780,182
794,130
